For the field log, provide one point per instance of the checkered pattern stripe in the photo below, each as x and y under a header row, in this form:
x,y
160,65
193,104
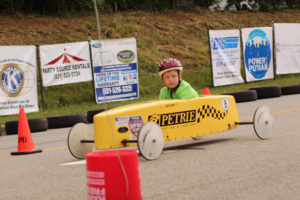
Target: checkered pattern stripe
x,y
210,111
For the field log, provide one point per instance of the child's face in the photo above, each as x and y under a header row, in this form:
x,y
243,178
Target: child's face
x,y
171,78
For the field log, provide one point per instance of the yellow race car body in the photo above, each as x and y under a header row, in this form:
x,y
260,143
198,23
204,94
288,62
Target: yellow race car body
x,y
178,119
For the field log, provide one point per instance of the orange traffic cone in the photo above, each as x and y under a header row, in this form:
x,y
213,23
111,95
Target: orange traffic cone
x,y
206,91
25,143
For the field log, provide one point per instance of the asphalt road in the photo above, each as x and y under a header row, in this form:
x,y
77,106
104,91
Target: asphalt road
x,y
230,165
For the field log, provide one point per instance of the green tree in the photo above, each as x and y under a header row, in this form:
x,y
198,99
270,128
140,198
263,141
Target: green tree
x,y
293,3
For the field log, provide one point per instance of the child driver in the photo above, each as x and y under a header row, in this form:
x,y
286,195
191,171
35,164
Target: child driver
x,y
175,88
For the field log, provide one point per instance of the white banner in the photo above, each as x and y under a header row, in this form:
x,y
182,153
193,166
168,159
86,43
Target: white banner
x,y
65,63
287,46
115,69
225,57
258,53
18,87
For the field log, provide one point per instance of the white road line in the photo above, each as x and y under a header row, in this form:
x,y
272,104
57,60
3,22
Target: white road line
x,y
75,163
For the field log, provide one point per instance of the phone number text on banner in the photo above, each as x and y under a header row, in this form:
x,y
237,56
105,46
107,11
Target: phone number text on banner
x,y
116,82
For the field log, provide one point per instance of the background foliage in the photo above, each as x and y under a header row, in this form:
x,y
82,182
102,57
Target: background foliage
x,y
72,7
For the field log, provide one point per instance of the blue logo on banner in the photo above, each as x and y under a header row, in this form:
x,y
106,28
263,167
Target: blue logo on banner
x,y
12,79
257,53
96,45
125,56
225,43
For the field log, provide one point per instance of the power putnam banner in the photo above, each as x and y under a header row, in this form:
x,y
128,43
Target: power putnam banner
x,y
258,53
18,88
287,46
115,69
65,63
225,57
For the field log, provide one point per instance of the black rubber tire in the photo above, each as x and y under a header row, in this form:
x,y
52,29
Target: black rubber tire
x,y
267,91
243,96
91,113
291,89
63,121
35,125
38,124
11,127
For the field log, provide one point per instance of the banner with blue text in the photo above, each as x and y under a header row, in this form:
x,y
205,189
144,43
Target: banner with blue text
x,y
115,69
225,57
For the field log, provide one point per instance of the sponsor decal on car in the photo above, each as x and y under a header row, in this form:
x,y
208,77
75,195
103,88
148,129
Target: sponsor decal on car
x,y
190,116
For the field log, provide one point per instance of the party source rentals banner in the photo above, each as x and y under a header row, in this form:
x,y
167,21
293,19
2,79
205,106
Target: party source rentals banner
x,y
287,45
65,63
258,53
18,88
225,56
115,69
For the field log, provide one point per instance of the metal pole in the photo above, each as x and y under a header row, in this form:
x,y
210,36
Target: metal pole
x,y
211,61
98,21
242,54
40,76
242,123
87,141
92,68
274,51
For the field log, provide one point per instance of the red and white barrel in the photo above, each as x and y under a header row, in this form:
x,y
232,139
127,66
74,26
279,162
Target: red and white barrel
x,y
106,179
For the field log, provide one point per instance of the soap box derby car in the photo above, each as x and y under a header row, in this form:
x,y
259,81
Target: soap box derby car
x,y
148,125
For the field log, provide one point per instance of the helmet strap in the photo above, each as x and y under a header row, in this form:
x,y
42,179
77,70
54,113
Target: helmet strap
x,y
175,88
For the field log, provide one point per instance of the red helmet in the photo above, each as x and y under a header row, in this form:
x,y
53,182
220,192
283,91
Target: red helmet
x,y
169,64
